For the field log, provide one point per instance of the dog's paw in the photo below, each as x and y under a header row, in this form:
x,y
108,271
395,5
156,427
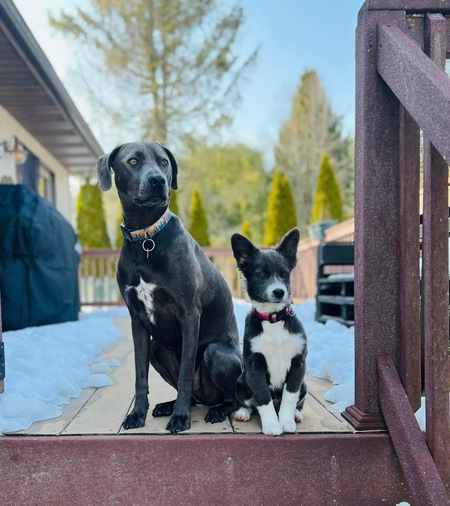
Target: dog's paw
x,y
179,423
163,409
289,426
134,420
242,415
298,416
272,429
215,414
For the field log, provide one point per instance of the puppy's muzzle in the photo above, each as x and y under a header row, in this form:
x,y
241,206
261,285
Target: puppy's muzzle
x,y
278,294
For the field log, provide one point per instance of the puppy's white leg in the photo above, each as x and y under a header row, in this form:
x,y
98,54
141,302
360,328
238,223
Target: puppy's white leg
x,y
269,420
242,415
288,410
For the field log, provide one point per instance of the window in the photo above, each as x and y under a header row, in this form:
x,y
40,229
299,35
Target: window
x,y
46,184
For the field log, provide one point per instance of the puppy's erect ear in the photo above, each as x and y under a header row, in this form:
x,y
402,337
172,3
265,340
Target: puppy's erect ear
x,y
288,247
174,165
243,249
104,168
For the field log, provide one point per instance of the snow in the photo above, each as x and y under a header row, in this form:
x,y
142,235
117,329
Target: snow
x,y
47,366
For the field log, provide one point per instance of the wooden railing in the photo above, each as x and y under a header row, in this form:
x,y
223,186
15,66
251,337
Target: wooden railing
x,y
97,273
401,91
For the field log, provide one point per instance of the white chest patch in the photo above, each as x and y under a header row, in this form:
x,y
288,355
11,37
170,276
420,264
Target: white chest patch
x,y
279,347
144,292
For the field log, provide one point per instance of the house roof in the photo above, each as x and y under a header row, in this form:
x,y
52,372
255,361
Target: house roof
x,y
31,91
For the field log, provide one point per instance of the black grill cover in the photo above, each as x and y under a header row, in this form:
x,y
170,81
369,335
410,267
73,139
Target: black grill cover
x,y
38,261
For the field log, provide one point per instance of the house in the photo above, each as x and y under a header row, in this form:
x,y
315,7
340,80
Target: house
x,y
43,137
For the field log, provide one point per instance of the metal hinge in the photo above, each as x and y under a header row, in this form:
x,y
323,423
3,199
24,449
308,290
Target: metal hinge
x,y
2,361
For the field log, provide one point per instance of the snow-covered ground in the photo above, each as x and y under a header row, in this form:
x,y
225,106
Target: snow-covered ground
x,y
46,366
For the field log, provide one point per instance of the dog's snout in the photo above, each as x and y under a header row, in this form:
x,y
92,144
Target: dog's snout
x,y
157,181
278,293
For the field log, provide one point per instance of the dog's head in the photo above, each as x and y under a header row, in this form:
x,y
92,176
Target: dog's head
x,y
143,172
265,274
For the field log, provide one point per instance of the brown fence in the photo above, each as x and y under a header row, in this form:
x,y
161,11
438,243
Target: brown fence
x,y
98,286
305,274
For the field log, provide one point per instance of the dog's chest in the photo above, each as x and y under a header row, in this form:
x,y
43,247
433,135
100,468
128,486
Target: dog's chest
x,y
145,293
279,347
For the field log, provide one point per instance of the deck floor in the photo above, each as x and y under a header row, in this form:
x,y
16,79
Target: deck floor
x,y
100,411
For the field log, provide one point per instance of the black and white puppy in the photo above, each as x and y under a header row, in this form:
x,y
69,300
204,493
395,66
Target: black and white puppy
x,y
273,380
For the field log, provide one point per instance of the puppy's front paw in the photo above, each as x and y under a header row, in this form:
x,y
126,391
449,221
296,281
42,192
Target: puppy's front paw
x,y
288,426
242,415
135,419
272,429
179,423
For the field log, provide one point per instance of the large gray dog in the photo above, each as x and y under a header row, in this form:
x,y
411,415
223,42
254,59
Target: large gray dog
x,y
180,306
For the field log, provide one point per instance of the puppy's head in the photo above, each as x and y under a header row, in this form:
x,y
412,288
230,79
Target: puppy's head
x,y
144,173
265,274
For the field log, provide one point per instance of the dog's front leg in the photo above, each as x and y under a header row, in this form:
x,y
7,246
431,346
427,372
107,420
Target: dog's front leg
x,y
256,379
141,341
291,394
181,416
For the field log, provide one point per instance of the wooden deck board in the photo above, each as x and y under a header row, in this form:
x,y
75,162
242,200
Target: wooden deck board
x,y
100,411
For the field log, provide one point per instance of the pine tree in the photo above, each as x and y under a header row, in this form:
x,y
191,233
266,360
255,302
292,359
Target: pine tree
x,y
327,200
312,128
91,224
119,234
174,202
198,227
281,214
176,63
289,211
246,230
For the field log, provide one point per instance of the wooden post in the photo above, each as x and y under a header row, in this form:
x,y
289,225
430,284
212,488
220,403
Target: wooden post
x,y
435,275
377,221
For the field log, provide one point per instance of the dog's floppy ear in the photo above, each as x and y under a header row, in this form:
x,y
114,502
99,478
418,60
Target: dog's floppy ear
x,y
173,163
288,247
243,249
104,168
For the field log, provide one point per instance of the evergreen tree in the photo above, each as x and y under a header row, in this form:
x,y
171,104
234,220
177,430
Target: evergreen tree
x,y
289,211
198,226
175,63
327,199
174,202
312,128
246,230
281,215
91,224
119,234
234,187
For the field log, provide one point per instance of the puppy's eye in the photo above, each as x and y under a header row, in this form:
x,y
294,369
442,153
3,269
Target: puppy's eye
x,y
164,163
285,274
132,161
261,275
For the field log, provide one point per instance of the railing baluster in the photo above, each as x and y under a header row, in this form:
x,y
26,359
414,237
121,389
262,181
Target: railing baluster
x,y
435,275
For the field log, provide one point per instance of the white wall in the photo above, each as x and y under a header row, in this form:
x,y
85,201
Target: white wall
x,y
10,128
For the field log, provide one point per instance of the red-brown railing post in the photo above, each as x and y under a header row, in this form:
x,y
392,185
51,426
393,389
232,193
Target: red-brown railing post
x,y
435,274
377,221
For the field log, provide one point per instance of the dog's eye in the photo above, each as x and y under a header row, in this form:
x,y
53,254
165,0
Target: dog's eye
x,y
285,274
261,274
164,163
132,161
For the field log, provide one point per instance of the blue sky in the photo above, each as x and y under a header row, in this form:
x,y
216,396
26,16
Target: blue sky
x,y
293,35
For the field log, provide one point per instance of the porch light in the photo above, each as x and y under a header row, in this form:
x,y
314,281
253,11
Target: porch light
x,y
13,146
